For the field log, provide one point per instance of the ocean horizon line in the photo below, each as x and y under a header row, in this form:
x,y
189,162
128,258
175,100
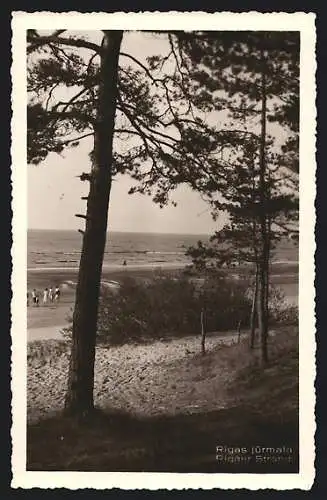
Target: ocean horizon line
x,y
122,232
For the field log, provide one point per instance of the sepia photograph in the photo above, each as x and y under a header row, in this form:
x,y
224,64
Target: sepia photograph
x,y
163,249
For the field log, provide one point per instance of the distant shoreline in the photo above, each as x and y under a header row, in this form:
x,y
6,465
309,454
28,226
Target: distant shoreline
x,y
115,267
47,321
40,278
144,265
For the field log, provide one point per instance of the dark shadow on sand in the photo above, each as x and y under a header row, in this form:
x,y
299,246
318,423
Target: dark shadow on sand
x,y
116,441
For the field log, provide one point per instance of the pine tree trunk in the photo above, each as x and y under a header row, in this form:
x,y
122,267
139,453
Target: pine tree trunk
x,y
262,312
253,309
267,256
203,332
79,396
239,331
253,316
264,236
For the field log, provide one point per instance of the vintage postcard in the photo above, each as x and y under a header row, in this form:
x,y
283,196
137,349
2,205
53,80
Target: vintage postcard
x,y
163,326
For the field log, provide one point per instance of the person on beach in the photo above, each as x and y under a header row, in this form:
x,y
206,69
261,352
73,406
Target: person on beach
x,y
34,296
51,294
57,294
28,298
45,295
37,299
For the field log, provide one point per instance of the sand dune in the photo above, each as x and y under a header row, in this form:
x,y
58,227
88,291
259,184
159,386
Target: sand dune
x,y
44,333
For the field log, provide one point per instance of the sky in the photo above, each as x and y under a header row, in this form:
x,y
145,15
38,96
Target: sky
x,y
54,197
54,191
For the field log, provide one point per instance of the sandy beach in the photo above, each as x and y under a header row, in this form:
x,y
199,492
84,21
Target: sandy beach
x,y
44,333
46,320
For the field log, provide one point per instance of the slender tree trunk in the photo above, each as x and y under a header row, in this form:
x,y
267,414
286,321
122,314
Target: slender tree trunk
x,y
253,317
239,331
253,309
268,246
268,252
262,313
264,243
79,396
203,332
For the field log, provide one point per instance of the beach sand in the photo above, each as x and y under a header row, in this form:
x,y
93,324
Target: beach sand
x,y
46,321
44,333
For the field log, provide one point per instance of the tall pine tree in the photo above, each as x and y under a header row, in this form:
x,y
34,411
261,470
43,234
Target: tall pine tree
x,y
256,77
246,80
142,122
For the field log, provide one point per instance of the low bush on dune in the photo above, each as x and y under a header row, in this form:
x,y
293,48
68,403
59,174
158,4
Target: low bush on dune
x,y
169,306
280,310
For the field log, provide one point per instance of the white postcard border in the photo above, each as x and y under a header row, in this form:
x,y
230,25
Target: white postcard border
x,y
305,23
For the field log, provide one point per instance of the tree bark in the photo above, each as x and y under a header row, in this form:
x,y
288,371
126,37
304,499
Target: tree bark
x,y
203,332
263,266
262,313
253,316
268,252
79,396
253,310
239,331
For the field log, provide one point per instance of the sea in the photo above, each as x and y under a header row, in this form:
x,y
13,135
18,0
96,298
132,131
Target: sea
x,y
62,249
57,250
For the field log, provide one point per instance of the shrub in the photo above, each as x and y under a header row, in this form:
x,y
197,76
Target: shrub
x,y
280,310
168,306
227,302
139,310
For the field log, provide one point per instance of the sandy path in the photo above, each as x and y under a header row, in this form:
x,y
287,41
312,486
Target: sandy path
x,y
44,333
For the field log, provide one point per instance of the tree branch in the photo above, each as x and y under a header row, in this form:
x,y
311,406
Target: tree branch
x,y
149,129
58,32
285,227
57,115
75,139
155,81
50,94
71,101
36,41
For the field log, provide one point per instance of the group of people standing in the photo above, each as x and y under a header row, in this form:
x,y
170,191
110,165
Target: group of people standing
x,y
49,295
